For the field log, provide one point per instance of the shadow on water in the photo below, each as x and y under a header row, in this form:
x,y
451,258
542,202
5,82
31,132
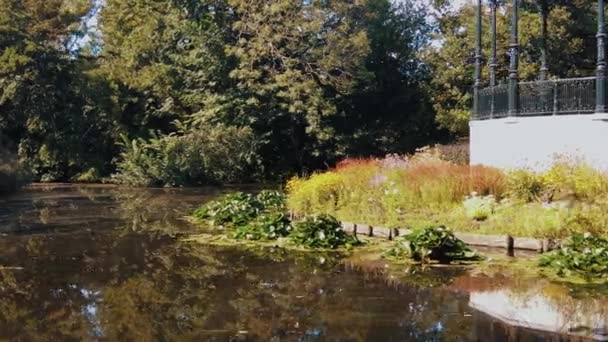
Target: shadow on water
x,y
98,263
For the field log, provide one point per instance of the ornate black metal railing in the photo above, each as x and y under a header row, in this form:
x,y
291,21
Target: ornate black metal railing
x,y
555,97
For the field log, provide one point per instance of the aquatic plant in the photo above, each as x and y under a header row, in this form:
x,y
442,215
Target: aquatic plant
x,y
431,243
321,231
236,208
271,200
267,226
240,208
583,255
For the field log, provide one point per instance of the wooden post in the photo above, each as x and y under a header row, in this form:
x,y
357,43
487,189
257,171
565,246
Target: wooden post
x,y
510,246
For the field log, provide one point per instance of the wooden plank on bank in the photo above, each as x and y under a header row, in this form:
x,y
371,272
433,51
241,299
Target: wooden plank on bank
x,y
480,240
498,241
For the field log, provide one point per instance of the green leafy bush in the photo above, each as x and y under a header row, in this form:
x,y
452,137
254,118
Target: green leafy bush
x,y
267,226
575,178
479,207
583,255
218,154
431,243
525,185
322,231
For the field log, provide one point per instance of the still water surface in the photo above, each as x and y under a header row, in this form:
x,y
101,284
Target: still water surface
x,y
98,263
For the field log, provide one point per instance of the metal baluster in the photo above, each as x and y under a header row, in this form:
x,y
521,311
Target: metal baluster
x,y
555,105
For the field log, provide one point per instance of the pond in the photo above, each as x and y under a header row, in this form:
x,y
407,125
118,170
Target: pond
x,y
103,263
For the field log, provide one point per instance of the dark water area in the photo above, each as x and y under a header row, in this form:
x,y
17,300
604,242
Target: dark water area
x,y
98,263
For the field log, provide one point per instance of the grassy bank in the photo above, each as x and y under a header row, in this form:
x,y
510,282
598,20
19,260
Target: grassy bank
x,y
424,190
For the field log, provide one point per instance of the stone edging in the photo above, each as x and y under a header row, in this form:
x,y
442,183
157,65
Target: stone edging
x,y
495,241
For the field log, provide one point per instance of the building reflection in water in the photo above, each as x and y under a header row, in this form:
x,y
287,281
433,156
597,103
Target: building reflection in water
x,y
502,313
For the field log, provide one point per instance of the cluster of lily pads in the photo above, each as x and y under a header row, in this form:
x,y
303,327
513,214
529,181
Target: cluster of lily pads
x,y
580,256
432,244
264,217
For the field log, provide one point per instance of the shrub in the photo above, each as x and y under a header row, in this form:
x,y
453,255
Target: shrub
x,y
525,185
319,193
457,153
431,243
589,217
218,154
583,255
267,226
479,208
322,231
575,178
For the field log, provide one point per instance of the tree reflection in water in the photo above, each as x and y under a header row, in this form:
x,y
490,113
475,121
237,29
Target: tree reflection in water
x,y
142,287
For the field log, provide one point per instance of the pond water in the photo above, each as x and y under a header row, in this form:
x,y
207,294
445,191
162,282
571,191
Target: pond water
x,y
101,263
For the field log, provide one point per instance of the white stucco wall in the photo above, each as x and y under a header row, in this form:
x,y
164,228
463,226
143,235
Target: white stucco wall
x,y
535,142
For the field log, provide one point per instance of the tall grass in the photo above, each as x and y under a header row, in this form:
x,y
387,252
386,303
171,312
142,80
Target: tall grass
x,y
386,189
423,189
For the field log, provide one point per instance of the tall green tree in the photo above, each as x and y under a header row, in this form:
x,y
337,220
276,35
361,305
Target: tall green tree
x,y
166,58
390,110
295,59
49,104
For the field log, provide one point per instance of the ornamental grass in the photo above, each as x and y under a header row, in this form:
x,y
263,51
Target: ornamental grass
x,y
422,190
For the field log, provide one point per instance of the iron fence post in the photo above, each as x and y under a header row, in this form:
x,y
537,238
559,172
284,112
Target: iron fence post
x,y
514,65
600,96
478,60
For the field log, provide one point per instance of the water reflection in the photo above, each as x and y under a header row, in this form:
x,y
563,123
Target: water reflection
x,y
97,263
135,287
544,307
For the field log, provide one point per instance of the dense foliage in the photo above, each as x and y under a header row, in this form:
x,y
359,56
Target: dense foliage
x,y
173,92
582,255
180,92
214,155
431,244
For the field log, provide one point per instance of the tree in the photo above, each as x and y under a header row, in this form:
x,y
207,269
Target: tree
x,y
390,111
49,103
294,59
165,57
570,46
